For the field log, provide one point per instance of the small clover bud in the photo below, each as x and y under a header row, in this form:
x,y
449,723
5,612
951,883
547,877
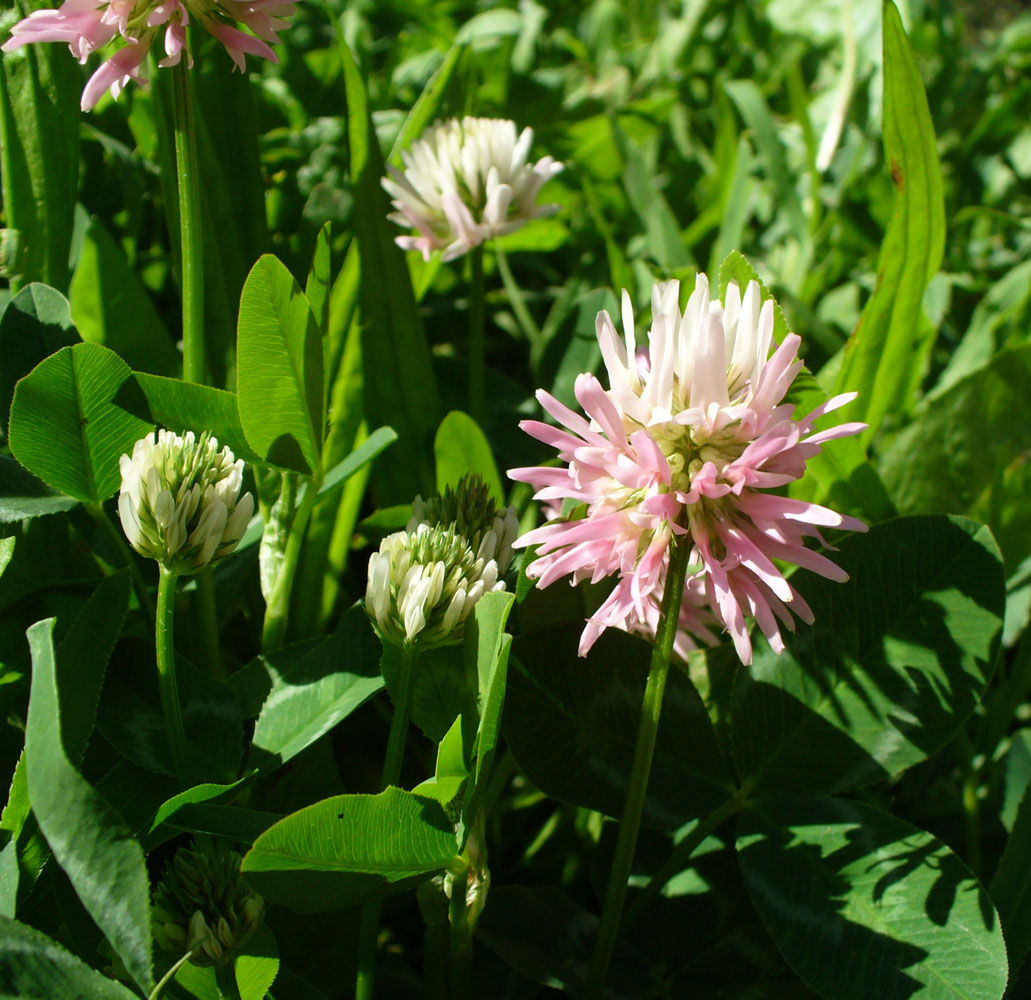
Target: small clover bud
x,y
469,506
180,500
423,584
203,905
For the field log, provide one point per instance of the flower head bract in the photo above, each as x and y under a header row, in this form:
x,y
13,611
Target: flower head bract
x,y
691,438
89,25
466,181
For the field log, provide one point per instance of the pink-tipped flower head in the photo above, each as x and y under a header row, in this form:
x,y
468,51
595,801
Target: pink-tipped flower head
x,y
464,182
689,438
134,25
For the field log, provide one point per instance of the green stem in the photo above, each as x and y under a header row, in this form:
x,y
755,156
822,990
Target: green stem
x,y
681,854
277,611
515,297
433,905
477,350
192,262
121,546
651,709
461,938
207,611
369,932
164,634
225,978
170,975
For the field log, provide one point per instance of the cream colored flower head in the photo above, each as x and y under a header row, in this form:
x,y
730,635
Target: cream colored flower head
x,y
466,181
180,500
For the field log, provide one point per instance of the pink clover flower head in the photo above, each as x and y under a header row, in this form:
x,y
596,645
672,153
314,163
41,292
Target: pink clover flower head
x,y
464,182
688,439
89,25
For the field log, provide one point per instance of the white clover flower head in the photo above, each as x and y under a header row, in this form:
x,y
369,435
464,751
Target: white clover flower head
x,y
469,506
423,583
203,905
466,181
180,500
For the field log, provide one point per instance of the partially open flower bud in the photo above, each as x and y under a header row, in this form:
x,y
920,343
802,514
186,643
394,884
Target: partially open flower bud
x,y
203,905
471,509
180,501
423,584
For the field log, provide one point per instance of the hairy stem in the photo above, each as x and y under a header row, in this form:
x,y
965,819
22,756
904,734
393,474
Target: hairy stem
x,y
164,633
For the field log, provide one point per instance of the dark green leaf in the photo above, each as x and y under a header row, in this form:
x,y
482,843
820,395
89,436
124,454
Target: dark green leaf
x,y
1011,887
36,324
897,658
32,966
308,695
23,496
572,724
39,120
486,634
188,406
878,357
88,838
400,389
864,905
350,848
65,427
111,307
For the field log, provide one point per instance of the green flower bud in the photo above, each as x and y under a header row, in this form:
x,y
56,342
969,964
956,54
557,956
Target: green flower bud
x,y
203,905
475,516
180,500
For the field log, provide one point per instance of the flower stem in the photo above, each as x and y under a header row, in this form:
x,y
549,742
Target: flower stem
x,y
170,975
477,350
277,611
369,932
225,979
208,614
164,634
651,709
515,297
461,939
192,262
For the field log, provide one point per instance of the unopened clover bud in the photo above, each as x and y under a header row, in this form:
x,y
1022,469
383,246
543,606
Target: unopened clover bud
x,y
204,906
469,506
180,500
423,584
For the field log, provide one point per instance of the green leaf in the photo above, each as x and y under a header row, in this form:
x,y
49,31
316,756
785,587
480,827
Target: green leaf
x,y
379,440
460,447
308,695
1011,887
23,496
191,796
65,427
571,723
950,453
189,406
279,369
36,323
897,658
427,107
82,660
231,822
756,114
399,385
350,848
864,905
111,307
39,163
486,634
88,838
33,966
878,357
